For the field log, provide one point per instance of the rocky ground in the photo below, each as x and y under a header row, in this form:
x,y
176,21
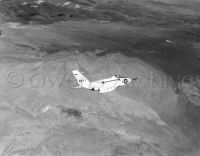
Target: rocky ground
x,y
41,42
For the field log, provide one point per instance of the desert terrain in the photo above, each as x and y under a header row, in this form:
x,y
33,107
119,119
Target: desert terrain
x,y
41,42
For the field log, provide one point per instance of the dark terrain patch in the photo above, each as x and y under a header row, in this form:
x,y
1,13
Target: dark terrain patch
x,y
176,59
56,48
71,112
26,46
46,13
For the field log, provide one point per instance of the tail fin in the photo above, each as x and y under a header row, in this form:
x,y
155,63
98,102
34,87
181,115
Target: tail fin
x,y
82,81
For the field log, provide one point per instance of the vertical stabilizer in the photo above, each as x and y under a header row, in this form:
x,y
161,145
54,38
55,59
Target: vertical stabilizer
x,y
82,80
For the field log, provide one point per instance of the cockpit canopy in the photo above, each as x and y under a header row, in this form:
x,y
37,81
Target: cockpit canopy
x,y
118,76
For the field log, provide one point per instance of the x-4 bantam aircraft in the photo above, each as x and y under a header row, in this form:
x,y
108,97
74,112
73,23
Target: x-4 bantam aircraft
x,y
104,85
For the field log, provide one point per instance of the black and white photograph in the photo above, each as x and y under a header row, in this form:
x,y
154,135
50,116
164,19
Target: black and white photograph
x,y
99,77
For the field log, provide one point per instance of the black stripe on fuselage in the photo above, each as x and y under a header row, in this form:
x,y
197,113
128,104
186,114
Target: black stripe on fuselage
x,y
109,81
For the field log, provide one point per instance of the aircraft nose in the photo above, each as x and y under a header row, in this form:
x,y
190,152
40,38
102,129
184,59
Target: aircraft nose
x,y
129,80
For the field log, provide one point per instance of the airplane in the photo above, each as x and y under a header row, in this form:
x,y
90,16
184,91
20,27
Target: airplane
x,y
104,85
